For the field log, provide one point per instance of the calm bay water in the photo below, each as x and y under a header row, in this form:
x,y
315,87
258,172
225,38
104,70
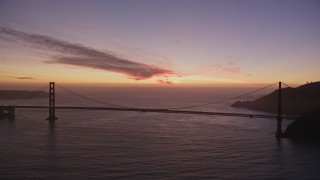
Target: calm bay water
x,y
132,145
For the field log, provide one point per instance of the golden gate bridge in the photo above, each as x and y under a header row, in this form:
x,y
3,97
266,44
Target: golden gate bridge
x,y
279,115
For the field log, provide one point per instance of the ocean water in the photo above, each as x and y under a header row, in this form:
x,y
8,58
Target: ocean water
x,y
136,145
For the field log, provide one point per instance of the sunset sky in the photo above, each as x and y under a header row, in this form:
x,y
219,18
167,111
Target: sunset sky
x,y
158,42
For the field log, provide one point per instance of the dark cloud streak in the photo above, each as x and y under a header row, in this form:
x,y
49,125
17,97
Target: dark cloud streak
x,y
19,77
79,55
160,81
26,78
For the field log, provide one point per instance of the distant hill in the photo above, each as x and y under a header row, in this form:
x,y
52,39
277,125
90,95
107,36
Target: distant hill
x,y
293,102
21,94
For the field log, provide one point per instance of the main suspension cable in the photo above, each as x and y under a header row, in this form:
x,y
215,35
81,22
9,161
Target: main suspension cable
x,y
215,102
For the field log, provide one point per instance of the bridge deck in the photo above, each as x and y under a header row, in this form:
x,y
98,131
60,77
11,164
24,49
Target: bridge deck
x,y
160,111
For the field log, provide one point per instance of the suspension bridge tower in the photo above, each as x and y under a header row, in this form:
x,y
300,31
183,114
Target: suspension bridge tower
x,y
52,106
279,117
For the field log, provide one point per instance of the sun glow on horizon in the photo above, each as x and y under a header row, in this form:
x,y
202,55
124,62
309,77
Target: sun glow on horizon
x,y
149,44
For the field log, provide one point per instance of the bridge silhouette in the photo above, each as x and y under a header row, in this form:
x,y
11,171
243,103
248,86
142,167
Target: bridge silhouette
x,y
9,110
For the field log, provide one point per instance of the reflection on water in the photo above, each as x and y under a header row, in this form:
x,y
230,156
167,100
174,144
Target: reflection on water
x,y
150,145
51,134
52,125
7,125
51,151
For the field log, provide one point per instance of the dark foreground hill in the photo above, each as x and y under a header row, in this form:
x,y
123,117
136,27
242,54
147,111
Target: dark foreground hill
x,y
307,126
16,94
294,100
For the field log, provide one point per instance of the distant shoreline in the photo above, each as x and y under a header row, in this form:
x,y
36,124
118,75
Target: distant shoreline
x,y
21,94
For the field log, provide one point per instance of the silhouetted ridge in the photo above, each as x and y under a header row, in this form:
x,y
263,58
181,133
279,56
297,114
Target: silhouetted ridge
x,y
21,94
294,100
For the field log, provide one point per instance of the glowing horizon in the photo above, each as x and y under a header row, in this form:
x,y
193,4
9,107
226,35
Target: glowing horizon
x,y
167,43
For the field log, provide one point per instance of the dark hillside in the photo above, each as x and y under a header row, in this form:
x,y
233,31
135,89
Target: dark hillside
x,y
294,100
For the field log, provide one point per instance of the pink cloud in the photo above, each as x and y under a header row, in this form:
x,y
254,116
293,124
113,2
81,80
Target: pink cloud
x,y
69,53
216,66
227,67
232,70
230,60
